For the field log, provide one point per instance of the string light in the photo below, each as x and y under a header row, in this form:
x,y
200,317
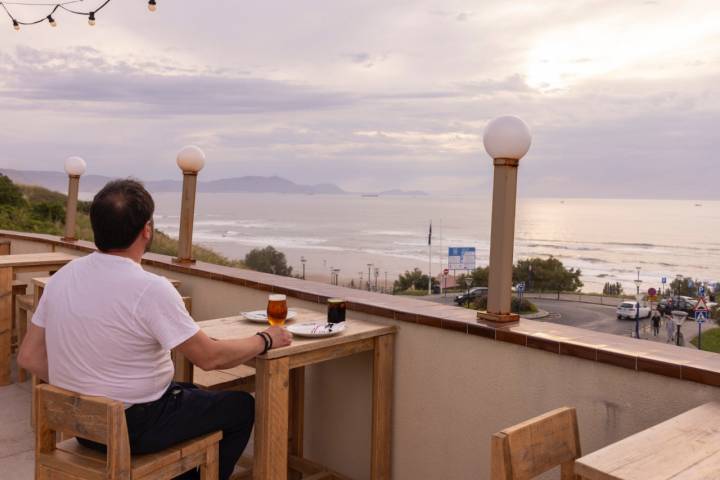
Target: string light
x,y
152,6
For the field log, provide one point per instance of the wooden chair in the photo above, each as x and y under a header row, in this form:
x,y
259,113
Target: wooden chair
x,y
530,448
103,420
25,307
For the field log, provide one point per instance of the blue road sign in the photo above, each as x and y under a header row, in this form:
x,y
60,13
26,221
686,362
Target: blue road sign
x,y
664,280
701,316
521,287
701,290
461,258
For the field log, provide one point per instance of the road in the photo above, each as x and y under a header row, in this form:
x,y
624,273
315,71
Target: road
x,y
600,318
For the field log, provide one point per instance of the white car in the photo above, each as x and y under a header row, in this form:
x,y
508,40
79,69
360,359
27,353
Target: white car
x,y
629,310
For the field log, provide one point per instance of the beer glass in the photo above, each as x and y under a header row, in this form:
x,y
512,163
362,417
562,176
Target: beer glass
x,y
277,309
336,310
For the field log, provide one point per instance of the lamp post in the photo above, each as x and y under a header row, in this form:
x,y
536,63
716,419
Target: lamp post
x,y
75,168
638,298
369,265
303,260
191,160
377,274
507,139
468,284
360,285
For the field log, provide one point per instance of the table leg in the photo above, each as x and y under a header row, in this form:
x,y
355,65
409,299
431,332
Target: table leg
x,y
21,321
297,417
382,393
272,379
6,277
183,367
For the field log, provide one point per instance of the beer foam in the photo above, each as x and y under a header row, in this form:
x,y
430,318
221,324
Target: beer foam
x,y
277,297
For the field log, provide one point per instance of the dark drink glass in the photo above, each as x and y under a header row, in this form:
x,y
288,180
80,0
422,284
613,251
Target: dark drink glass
x,y
336,310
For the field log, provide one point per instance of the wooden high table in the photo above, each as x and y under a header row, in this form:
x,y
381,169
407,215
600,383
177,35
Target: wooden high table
x,y
686,447
279,391
9,266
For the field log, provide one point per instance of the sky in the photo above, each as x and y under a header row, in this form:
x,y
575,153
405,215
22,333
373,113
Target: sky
x,y
621,96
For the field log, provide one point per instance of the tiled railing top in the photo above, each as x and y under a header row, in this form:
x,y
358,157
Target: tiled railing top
x,y
644,356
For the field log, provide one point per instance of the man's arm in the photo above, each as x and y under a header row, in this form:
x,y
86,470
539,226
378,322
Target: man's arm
x,y
33,354
211,354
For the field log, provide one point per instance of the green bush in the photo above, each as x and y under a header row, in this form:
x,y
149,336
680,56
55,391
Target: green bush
x,y
268,260
526,307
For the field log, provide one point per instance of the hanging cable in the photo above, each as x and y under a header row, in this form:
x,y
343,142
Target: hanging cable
x,y
152,6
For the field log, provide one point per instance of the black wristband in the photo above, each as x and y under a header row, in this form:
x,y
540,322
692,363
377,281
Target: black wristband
x,y
266,340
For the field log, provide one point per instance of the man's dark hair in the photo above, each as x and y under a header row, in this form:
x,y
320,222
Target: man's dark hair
x,y
118,214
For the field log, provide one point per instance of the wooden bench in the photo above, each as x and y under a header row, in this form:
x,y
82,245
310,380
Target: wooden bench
x,y
102,420
25,307
535,446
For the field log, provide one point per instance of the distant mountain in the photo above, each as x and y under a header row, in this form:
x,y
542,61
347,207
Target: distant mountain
x,y
92,183
408,193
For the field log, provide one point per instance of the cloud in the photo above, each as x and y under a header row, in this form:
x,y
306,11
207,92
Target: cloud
x,y
85,74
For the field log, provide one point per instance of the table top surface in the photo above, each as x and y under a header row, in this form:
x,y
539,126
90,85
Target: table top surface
x,y
35,259
238,327
686,447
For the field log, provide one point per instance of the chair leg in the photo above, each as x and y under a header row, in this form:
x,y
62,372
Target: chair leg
x,y
210,470
22,319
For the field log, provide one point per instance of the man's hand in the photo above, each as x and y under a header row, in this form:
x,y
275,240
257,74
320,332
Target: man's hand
x,y
280,336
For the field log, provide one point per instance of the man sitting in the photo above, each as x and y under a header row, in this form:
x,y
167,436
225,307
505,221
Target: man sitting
x,y
105,327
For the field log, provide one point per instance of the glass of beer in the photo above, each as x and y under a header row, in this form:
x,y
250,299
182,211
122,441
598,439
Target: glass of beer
x,y
277,309
336,310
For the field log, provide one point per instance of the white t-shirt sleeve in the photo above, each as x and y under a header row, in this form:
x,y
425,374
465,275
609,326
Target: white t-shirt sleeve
x,y
162,311
38,317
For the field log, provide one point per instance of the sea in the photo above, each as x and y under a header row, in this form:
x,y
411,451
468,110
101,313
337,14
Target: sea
x,y
607,239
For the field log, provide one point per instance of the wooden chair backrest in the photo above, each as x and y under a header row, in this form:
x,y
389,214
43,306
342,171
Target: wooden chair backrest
x,y
94,418
526,450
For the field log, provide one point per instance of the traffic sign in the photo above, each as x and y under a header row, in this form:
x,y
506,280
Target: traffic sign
x,y
701,306
461,258
521,287
652,292
701,290
701,316
446,271
652,298
664,280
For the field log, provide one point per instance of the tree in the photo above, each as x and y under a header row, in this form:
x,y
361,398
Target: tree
x,y
413,280
614,289
268,260
10,194
547,274
681,286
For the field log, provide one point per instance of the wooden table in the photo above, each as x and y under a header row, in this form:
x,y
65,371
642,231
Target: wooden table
x,y
279,394
686,447
9,266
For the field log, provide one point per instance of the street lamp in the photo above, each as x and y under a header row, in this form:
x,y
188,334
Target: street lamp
x,y
678,318
191,160
507,139
369,265
75,168
468,283
303,260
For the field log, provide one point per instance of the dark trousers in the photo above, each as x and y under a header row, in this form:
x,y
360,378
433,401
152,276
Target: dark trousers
x,y
185,412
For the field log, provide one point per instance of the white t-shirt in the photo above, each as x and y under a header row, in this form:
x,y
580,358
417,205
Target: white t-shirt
x,y
109,327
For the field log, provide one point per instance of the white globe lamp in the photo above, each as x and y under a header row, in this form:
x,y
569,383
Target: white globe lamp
x,y
191,159
507,137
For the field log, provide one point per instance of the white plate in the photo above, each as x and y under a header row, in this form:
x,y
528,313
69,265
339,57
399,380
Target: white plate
x,y
260,316
316,329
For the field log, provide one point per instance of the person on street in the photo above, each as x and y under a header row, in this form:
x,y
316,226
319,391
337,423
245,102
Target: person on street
x,y
656,323
670,328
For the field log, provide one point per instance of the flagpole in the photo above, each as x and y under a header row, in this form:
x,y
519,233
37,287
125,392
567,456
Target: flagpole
x,y
430,260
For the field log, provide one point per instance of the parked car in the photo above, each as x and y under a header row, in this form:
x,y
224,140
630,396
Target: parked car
x,y
681,303
629,310
474,293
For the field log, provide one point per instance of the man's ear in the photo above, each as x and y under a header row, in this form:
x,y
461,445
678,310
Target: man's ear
x,y
148,231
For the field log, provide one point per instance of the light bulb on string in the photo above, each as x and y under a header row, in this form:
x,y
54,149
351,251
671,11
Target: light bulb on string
x,y
91,19
52,21
16,25
152,5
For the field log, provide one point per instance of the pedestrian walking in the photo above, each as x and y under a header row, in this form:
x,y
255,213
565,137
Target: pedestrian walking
x,y
656,323
670,328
